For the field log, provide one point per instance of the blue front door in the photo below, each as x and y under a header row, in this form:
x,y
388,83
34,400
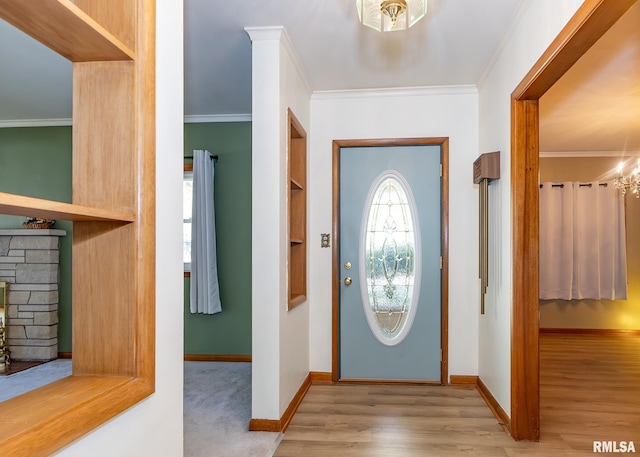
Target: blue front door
x,y
390,270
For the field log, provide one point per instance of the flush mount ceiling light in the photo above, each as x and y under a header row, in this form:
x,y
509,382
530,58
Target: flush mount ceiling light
x,y
391,15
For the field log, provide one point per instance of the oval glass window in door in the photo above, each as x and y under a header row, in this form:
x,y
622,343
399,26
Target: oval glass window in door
x,y
390,260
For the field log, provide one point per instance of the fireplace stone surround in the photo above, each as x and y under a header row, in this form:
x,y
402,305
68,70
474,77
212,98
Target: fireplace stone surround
x,y
29,262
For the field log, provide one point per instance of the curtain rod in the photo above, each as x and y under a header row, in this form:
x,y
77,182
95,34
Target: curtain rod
x,y
214,157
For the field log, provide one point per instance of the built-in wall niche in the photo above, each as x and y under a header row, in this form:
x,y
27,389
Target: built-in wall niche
x,y
297,210
113,211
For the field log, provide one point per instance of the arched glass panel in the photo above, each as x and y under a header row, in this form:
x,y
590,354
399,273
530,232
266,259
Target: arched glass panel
x,y
390,258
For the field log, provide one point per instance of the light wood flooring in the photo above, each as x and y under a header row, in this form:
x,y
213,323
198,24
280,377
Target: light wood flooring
x,y
590,390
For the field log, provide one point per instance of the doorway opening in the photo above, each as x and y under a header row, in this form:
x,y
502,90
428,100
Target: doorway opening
x,y
588,25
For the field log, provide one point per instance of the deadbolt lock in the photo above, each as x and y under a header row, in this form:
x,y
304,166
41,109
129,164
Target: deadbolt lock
x,y
347,265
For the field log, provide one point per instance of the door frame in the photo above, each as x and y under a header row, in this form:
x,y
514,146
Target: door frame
x,y
589,23
443,142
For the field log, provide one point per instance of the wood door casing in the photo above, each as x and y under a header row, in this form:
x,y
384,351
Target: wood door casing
x,y
337,145
590,23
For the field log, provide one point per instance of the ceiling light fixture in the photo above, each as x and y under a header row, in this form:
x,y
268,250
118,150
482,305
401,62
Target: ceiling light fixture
x,y
629,183
390,15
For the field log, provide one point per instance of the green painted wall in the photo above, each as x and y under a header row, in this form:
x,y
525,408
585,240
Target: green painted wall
x,y
228,332
36,161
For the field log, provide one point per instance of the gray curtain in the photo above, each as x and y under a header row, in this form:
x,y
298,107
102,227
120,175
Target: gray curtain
x,y
205,292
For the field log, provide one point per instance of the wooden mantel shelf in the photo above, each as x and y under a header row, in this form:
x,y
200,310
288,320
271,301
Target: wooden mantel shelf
x,y
64,28
18,205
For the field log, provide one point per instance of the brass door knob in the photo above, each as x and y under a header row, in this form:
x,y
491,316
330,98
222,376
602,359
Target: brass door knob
x,y
347,281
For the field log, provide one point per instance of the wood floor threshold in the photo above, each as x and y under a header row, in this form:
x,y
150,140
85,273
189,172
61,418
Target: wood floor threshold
x,y
216,358
591,331
389,382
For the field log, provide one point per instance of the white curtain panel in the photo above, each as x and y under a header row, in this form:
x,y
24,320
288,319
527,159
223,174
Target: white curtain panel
x,y
556,240
205,291
582,242
600,244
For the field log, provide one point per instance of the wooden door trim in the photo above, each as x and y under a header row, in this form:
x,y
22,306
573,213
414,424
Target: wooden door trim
x,y
443,142
589,23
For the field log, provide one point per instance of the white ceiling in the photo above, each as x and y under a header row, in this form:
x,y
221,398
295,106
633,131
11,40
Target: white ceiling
x,y
450,46
594,108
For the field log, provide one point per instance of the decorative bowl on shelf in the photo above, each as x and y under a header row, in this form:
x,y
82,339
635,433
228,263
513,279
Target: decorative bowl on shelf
x,y
38,223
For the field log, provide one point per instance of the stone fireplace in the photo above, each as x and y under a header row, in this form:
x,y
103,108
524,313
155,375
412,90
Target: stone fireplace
x,y
29,262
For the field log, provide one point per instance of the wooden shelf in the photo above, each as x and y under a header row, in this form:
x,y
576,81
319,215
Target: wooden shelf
x,y
113,183
297,211
72,398
18,205
64,28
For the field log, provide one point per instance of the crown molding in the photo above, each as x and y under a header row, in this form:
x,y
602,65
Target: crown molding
x,y
395,92
295,59
514,22
264,33
280,34
35,123
194,119
552,154
209,118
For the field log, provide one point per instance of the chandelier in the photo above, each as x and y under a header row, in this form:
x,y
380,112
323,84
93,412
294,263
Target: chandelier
x,y
629,183
390,15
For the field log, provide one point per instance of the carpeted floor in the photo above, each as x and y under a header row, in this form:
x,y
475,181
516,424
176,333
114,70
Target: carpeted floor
x,y
217,406
217,411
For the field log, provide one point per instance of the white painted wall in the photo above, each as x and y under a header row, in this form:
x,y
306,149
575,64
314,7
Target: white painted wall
x,y
267,200
280,341
438,112
294,325
154,426
536,25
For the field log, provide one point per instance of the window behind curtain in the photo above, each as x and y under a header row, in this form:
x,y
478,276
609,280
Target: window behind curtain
x,y
187,197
